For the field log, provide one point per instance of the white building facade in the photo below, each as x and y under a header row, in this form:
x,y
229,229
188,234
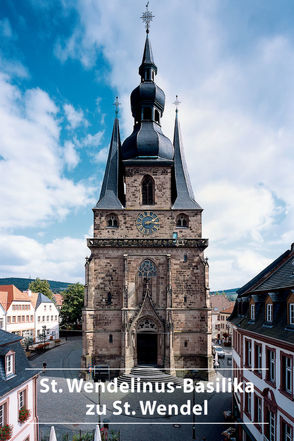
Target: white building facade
x,y
2,317
46,319
27,314
263,353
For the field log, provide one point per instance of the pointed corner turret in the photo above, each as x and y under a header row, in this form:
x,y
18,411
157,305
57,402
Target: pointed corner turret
x,y
184,199
112,186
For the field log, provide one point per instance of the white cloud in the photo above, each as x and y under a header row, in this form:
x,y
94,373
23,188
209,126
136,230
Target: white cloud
x,y
74,117
60,259
92,140
101,156
236,113
33,188
71,157
236,212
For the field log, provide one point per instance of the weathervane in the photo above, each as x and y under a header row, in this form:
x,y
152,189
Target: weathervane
x,y
116,104
147,18
177,103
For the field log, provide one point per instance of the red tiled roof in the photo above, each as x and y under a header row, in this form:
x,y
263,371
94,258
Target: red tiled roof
x,y
221,302
229,310
8,293
58,299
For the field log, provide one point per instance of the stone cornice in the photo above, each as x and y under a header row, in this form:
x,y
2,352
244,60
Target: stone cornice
x,y
147,243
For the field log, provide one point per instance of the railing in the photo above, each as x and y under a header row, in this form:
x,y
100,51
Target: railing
x,y
148,243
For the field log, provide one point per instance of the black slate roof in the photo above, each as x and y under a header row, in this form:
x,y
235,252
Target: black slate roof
x,y
184,193
9,342
110,190
283,277
274,276
276,280
42,299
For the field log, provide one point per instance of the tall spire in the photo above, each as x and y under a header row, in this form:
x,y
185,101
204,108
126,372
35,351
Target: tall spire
x,y
147,142
147,64
148,68
112,187
184,193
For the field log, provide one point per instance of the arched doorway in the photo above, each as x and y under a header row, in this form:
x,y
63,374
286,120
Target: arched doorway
x,y
147,342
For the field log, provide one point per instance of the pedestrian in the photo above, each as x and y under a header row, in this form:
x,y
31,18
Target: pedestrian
x,y
44,366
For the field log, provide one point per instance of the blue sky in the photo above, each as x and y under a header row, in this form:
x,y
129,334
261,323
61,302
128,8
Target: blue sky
x,y
62,62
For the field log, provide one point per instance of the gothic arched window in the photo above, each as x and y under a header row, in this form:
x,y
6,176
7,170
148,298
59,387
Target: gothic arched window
x,y
112,221
148,190
182,221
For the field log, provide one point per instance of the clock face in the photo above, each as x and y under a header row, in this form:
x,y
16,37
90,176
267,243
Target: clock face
x,y
147,222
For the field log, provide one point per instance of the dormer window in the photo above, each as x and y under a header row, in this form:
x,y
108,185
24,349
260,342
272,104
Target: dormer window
x,y
182,221
291,314
112,221
9,363
252,311
269,312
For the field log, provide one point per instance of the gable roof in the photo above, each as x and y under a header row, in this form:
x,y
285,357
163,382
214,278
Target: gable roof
x,y
11,342
219,303
8,337
279,274
42,299
228,310
9,293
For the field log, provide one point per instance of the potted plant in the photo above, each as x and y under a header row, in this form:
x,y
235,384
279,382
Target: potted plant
x,y
23,414
6,432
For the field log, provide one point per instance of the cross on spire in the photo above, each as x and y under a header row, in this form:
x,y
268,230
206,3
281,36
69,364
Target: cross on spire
x,y
116,104
177,103
147,18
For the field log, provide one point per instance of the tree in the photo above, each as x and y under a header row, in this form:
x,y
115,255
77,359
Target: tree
x,y
41,286
71,311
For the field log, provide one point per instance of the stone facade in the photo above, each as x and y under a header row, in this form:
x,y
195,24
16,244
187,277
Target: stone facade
x,y
177,304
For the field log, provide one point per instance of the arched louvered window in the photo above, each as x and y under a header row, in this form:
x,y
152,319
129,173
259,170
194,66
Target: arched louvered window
x,y
182,221
112,221
148,191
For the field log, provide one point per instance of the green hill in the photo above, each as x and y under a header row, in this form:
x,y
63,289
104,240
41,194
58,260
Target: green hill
x,y
23,284
231,294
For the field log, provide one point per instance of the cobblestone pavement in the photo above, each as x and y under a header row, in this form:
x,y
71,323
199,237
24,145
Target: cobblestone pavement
x,y
67,411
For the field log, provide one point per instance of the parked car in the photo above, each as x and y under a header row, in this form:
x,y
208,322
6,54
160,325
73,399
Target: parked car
x,y
219,351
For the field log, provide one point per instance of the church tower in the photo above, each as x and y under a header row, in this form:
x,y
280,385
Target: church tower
x,y
147,293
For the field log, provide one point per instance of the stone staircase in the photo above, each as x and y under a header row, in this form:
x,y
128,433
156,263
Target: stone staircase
x,y
149,374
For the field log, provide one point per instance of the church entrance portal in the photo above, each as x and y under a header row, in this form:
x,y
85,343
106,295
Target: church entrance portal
x,y
147,348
